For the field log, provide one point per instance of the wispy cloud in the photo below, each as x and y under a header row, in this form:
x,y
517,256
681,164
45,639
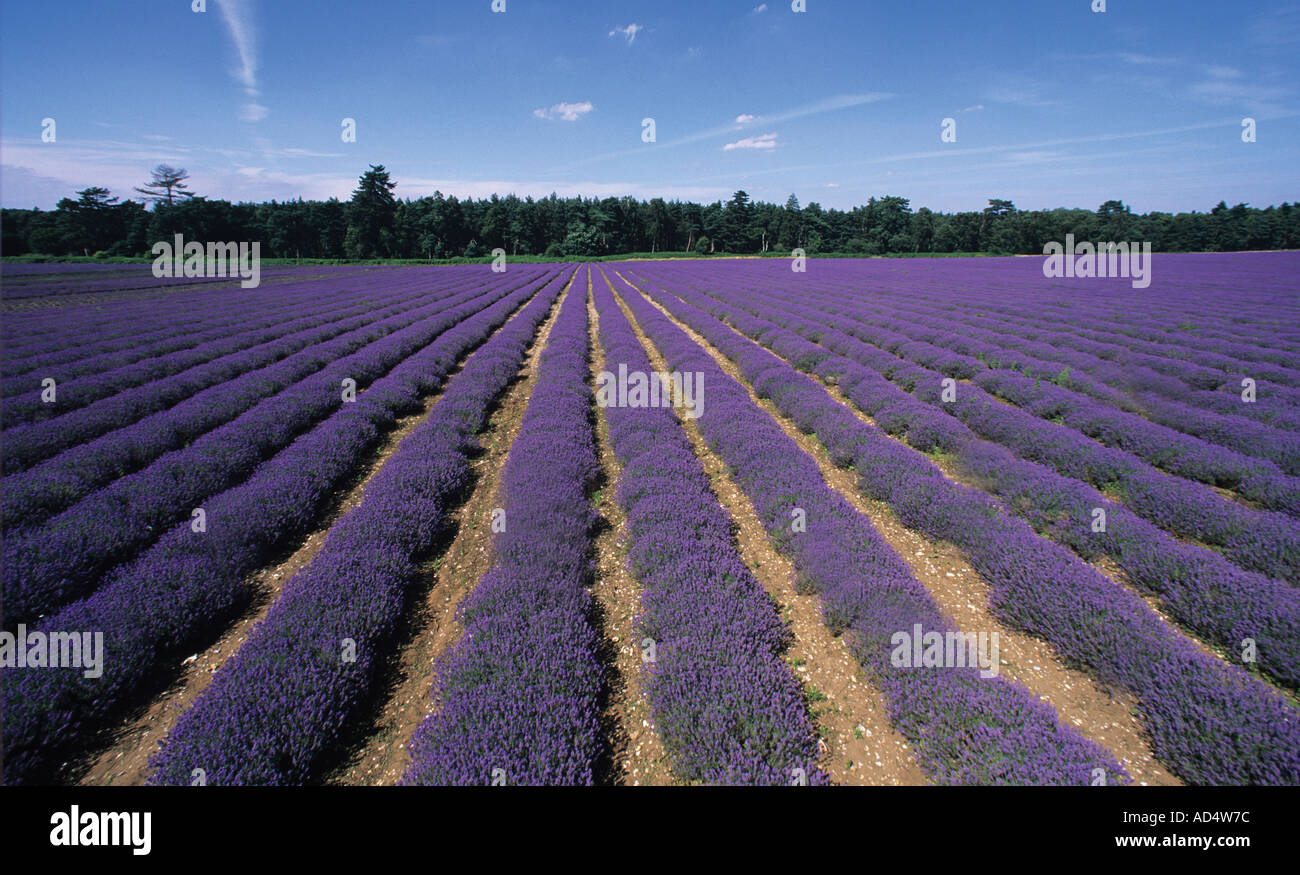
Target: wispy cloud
x,y
760,8
1135,58
1144,60
1033,157
976,108
267,149
630,32
762,141
1021,151
48,174
1221,71
569,112
1228,86
1018,91
294,152
1278,29
745,118
36,175
829,104
238,18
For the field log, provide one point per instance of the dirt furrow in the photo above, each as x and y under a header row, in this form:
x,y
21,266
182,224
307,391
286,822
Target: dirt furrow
x,y
857,743
1106,716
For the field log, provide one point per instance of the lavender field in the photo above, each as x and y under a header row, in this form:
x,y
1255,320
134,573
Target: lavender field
x,y
718,521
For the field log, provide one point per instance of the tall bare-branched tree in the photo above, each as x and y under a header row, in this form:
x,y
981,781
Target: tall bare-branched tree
x,y
166,185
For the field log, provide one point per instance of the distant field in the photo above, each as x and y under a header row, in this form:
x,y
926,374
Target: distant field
x,y
881,521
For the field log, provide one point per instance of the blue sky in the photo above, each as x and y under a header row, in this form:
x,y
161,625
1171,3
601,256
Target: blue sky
x,y
1054,104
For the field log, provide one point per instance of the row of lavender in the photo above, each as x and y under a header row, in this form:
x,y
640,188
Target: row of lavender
x,y
1192,318
58,333
1168,368
965,728
118,435
324,640
519,695
1072,398
64,556
181,591
29,281
1197,586
1188,318
1236,304
747,724
80,343
104,336
727,708
1256,540
99,344
250,727
1107,371
89,378
1209,722
1131,388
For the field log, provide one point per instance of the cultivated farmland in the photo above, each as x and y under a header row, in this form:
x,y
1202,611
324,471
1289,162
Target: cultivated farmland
x,y
729,521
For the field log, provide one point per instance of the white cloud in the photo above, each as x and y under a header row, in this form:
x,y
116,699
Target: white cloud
x,y
974,108
630,31
569,112
1019,91
295,152
1135,58
1258,99
1229,86
762,141
1140,59
35,174
1219,71
1033,157
762,7
745,118
239,22
1277,29
829,104
417,187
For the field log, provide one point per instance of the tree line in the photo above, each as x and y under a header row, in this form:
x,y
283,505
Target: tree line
x,y
376,224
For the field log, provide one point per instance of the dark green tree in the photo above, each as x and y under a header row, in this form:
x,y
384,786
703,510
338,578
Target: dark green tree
x,y
371,215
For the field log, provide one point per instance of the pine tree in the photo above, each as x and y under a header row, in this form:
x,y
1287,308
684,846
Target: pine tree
x,y
371,215
166,184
